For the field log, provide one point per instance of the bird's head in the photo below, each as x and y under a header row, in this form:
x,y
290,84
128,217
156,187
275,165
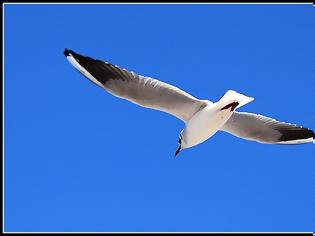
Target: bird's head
x,y
181,143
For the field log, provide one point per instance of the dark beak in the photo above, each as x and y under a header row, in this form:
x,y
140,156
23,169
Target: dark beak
x,y
178,150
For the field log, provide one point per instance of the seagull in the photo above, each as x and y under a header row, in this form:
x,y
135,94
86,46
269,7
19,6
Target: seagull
x,y
202,118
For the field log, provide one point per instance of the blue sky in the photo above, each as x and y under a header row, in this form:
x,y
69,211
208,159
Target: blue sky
x,y
78,159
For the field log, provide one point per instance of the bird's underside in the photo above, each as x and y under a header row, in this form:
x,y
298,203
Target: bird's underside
x,y
154,94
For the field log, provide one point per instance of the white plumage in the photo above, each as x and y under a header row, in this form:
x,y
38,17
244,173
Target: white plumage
x,y
203,118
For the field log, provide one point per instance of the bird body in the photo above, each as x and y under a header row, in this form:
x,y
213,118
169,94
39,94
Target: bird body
x,y
202,118
211,118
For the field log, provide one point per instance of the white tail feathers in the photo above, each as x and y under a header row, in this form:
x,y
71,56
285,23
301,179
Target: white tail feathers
x,y
231,96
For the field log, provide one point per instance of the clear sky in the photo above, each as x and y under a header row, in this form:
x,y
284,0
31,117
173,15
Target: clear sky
x,y
80,159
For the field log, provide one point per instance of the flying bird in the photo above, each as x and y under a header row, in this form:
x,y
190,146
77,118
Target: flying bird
x,y
202,118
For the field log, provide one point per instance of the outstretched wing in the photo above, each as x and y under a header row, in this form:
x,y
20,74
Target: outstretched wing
x,y
144,91
266,130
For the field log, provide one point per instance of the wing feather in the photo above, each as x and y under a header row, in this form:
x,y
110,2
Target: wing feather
x,y
266,130
141,90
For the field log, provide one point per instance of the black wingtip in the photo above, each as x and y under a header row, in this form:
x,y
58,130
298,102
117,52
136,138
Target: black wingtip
x,y
67,52
296,133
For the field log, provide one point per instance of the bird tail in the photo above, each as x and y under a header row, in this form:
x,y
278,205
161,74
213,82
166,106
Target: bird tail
x,y
233,100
